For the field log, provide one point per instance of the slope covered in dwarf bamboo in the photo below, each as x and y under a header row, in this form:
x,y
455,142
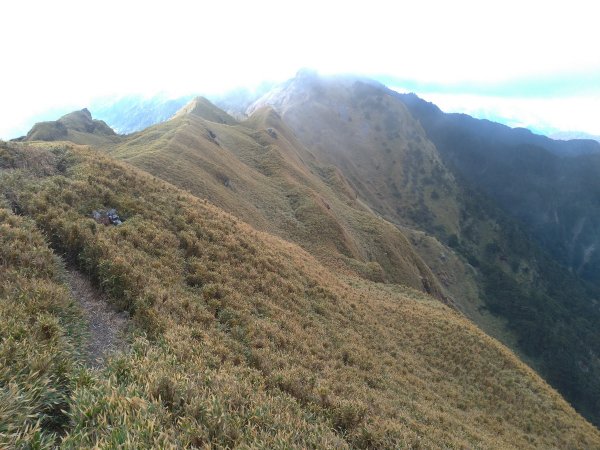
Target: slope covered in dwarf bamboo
x,y
39,336
247,340
542,310
261,173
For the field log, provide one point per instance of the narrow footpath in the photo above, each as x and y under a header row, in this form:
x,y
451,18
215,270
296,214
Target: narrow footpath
x,y
106,327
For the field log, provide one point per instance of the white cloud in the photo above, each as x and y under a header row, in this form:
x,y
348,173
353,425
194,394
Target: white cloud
x,y
573,113
65,52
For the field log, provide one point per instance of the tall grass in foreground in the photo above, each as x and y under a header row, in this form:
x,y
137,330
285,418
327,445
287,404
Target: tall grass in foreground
x,y
38,329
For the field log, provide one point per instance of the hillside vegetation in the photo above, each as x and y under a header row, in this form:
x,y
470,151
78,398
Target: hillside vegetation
x,y
243,339
77,127
39,337
258,171
523,296
552,187
359,127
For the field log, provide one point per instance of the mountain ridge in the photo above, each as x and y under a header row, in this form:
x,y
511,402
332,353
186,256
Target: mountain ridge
x,y
251,167
504,133
345,169
387,155
202,107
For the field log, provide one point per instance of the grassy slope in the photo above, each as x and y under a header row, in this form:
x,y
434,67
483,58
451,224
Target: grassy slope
x,y
253,342
379,147
38,336
366,132
271,181
538,308
77,127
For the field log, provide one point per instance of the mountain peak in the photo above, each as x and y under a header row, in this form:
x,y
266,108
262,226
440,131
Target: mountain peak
x,y
203,108
298,89
267,114
86,112
310,86
79,122
78,118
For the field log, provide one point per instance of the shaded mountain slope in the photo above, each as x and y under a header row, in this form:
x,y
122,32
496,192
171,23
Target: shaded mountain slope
x,y
253,342
531,177
77,127
359,127
258,171
365,129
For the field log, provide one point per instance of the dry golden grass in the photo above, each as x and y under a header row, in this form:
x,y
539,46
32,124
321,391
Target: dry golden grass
x,y
261,173
274,183
497,274
246,340
39,333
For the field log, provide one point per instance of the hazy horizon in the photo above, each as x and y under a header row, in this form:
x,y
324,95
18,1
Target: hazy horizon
x,y
529,65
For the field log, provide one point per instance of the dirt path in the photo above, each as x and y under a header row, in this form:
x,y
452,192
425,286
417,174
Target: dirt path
x,y
106,326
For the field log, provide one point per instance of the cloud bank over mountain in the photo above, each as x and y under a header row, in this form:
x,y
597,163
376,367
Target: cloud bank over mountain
x,y
182,48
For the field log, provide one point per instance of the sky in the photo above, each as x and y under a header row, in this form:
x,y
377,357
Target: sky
x,y
528,63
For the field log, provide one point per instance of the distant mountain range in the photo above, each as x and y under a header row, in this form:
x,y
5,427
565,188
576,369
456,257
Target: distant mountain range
x,y
129,114
568,135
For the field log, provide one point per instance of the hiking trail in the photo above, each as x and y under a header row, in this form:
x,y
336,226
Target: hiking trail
x,y
106,326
